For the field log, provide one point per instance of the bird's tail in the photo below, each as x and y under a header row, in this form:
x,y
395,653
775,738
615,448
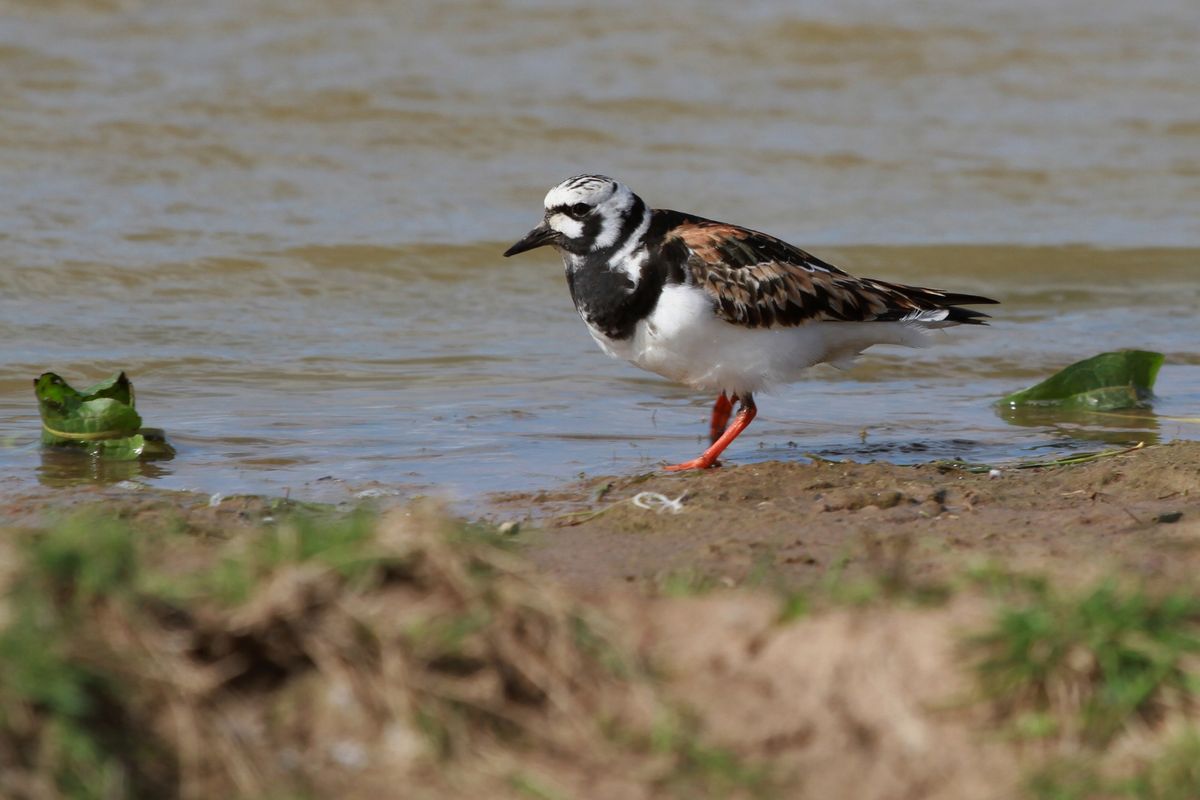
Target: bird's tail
x,y
935,306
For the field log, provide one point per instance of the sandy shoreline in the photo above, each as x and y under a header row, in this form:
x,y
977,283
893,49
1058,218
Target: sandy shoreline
x,y
1138,512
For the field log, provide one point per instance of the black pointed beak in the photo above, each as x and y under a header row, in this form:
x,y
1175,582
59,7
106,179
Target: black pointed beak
x,y
538,237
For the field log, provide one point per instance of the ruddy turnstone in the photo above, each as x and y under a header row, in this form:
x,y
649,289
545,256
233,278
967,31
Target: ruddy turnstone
x,y
720,307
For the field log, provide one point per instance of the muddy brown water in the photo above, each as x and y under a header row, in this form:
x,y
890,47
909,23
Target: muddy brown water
x,y
284,221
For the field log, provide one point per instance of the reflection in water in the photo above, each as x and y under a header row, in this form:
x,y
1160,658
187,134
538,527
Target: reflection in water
x,y
1112,427
62,466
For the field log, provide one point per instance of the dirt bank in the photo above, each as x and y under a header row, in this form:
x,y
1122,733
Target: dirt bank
x,y
1138,513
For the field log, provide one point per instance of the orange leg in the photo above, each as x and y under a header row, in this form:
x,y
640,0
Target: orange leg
x,y
709,457
720,417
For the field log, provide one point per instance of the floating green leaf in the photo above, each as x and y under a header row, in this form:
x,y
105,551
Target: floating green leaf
x,y
1107,382
100,420
117,387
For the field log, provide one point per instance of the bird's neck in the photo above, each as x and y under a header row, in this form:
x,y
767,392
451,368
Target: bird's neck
x,y
622,254
615,287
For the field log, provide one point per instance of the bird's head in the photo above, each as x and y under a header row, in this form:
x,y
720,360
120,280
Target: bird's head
x,y
584,214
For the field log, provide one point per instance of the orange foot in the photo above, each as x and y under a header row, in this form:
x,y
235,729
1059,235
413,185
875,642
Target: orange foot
x,y
708,458
695,463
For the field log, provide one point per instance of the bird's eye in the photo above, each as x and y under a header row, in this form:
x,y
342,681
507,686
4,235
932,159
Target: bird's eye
x,y
579,210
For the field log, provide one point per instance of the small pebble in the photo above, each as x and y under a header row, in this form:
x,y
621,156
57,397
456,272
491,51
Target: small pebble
x,y
509,528
995,473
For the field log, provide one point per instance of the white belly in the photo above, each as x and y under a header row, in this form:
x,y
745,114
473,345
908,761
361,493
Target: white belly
x,y
684,340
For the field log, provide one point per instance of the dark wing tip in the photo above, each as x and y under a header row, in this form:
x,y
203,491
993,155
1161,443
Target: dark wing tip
x,y
955,299
967,316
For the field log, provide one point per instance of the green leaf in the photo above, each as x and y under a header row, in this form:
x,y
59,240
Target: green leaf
x,y
101,420
93,420
140,445
1106,382
117,387
55,393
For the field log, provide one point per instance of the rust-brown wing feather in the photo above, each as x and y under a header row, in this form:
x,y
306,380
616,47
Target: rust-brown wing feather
x,y
757,280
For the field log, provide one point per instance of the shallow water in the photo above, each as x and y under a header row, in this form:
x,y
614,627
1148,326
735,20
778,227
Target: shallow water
x,y
285,223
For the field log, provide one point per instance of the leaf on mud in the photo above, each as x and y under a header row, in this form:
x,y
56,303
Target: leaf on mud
x,y
100,420
1107,382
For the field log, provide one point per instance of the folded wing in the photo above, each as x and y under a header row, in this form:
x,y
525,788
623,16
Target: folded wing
x,y
756,280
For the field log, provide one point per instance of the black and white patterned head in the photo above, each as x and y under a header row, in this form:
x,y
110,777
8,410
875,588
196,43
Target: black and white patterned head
x,y
585,214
